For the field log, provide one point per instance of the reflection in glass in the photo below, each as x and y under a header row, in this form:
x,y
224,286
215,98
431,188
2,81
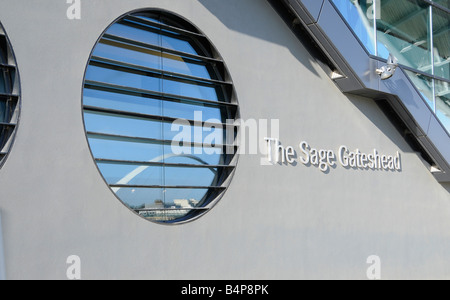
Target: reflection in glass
x,y
182,45
193,90
2,56
178,64
142,198
109,100
416,33
128,53
9,108
424,85
3,135
131,173
136,79
135,34
358,15
124,148
151,173
115,124
152,106
444,3
403,28
2,83
443,103
137,73
2,111
149,203
441,43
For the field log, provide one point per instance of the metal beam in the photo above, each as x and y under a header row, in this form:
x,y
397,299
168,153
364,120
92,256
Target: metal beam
x,y
408,17
341,45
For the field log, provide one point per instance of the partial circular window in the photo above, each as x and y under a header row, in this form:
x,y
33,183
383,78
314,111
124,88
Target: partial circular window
x,y
9,96
159,112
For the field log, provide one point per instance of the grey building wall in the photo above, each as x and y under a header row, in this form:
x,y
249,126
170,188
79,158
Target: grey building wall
x,y
275,222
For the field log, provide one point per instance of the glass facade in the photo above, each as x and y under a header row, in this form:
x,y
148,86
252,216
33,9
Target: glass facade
x,y
8,98
157,100
417,33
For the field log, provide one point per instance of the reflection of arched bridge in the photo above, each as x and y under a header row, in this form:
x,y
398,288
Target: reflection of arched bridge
x,y
130,176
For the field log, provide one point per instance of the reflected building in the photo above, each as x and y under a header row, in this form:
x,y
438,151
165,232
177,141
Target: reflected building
x,y
158,211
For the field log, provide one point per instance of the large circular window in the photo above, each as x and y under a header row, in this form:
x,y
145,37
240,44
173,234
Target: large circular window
x,y
9,95
159,111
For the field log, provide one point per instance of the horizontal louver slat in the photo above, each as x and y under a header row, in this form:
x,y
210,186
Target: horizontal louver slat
x,y
142,92
105,62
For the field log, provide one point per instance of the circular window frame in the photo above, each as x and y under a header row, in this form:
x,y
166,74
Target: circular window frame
x,y
213,54
13,94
